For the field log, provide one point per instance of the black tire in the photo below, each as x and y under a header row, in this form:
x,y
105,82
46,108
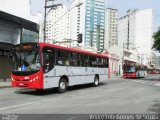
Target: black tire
x,y
62,85
39,90
138,76
96,81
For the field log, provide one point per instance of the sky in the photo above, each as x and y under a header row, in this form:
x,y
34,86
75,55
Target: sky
x,y
121,5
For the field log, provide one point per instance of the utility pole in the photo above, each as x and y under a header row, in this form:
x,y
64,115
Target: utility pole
x,y
51,7
45,15
98,37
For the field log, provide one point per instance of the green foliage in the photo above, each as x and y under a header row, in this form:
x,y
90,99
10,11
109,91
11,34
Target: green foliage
x,y
156,44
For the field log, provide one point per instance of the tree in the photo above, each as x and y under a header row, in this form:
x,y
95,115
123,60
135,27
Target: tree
x,y
156,44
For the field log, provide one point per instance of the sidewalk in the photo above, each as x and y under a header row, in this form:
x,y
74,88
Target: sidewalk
x,y
5,84
115,77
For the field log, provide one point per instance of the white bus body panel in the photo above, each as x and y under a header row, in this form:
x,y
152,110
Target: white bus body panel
x,y
141,73
76,75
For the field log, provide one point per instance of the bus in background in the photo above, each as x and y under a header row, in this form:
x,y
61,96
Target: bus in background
x,y
154,71
134,71
41,66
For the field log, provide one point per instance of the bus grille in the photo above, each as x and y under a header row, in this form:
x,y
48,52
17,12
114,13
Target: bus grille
x,y
24,85
22,80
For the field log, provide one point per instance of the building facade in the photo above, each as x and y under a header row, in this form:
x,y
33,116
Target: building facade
x,y
89,20
17,26
13,30
58,25
111,28
135,31
20,8
77,21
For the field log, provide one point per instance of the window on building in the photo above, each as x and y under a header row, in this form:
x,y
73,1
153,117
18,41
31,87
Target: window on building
x,y
29,36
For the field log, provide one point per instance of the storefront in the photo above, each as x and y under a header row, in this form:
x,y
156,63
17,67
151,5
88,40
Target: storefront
x,y
13,30
114,65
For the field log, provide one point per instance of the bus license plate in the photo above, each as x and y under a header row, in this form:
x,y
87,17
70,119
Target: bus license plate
x,y
21,84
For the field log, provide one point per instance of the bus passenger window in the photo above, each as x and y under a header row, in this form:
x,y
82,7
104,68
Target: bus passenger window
x,y
74,59
93,61
48,59
106,63
62,58
99,62
84,60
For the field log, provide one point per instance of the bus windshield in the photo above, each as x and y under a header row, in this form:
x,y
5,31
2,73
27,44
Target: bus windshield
x,y
27,60
129,69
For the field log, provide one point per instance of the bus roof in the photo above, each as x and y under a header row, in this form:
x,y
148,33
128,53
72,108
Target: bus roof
x,y
42,44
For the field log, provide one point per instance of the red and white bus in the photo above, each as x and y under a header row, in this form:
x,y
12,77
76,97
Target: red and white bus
x,y
154,71
134,71
41,66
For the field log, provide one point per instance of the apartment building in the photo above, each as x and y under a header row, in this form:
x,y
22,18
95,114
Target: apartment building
x,y
111,28
135,31
58,25
89,20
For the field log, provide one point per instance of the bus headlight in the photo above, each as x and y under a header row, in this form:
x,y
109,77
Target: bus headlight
x,y
34,79
12,78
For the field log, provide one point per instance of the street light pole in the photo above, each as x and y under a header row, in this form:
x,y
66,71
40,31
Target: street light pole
x,y
77,5
52,6
45,15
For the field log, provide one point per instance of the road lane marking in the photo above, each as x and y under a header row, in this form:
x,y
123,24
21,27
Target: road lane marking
x,y
143,82
138,81
72,118
157,84
150,83
16,106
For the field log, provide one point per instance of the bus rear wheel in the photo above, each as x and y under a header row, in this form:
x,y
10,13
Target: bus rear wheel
x,y
62,85
39,90
96,81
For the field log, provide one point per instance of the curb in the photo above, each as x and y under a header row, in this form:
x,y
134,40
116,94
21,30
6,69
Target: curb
x,y
7,86
116,77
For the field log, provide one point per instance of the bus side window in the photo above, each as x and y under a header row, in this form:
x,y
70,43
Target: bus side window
x,y
59,57
80,59
84,60
66,58
48,59
62,58
74,59
93,61
105,65
100,62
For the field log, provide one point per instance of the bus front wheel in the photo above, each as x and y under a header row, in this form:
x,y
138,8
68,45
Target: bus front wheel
x,y
96,81
62,85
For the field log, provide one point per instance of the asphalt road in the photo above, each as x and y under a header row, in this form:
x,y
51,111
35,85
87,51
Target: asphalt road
x,y
126,96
